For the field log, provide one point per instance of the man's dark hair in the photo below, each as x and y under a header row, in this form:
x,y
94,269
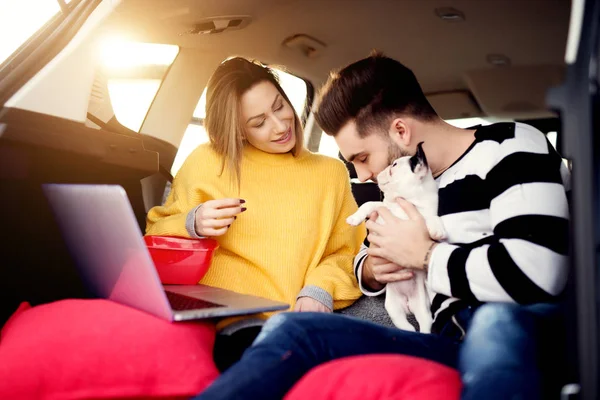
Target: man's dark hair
x,y
371,91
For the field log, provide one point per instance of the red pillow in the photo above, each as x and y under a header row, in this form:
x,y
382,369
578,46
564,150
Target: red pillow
x,y
97,349
378,377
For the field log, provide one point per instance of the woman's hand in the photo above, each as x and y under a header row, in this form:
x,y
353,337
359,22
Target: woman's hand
x,y
214,217
308,304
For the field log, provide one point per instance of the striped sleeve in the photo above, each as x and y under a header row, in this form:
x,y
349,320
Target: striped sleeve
x,y
359,261
525,261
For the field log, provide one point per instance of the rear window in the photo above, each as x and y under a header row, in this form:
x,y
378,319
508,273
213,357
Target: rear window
x,y
21,19
134,72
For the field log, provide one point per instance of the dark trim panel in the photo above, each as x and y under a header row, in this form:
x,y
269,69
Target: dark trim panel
x,y
41,130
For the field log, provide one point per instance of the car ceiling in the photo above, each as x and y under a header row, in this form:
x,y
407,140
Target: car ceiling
x,y
446,56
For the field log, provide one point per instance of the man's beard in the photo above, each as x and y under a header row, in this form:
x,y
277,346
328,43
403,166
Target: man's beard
x,y
395,152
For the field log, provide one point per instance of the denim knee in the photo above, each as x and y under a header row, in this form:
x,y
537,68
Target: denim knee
x,y
500,348
499,334
500,325
282,324
494,317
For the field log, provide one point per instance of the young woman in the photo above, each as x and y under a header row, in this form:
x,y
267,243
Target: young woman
x,y
277,210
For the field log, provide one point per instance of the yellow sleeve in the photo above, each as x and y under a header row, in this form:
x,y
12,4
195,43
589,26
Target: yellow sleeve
x,y
335,273
169,219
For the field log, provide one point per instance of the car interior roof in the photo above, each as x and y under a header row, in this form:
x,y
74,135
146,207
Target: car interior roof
x,y
453,58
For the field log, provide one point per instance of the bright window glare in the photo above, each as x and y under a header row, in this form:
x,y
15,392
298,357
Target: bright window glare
x,y
200,111
194,136
123,54
552,137
131,98
467,122
328,146
295,88
19,19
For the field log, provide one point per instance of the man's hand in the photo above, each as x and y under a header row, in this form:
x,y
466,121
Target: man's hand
x,y
402,242
377,271
308,304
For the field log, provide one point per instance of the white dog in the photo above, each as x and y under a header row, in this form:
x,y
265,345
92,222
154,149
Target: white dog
x,y
411,179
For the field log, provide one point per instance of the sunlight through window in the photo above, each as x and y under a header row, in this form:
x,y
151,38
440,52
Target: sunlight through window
x,y
295,88
552,137
193,137
328,146
19,20
467,122
118,54
200,111
125,63
131,99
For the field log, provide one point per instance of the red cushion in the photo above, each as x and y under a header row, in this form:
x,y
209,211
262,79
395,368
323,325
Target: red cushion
x,y
378,377
97,349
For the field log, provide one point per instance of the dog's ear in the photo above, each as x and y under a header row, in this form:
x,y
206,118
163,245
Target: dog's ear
x,y
418,162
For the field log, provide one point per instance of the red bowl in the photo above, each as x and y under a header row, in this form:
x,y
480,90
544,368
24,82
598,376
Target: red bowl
x,y
180,261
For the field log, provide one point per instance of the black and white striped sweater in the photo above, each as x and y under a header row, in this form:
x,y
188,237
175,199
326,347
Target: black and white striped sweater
x,y
505,210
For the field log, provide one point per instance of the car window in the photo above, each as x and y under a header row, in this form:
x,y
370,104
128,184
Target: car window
x,y
468,122
134,72
552,138
195,134
329,147
21,19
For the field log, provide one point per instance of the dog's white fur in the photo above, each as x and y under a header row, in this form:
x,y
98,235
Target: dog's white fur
x,y
417,186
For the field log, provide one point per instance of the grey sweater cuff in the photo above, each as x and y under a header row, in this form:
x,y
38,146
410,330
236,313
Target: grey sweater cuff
x,y
320,295
190,223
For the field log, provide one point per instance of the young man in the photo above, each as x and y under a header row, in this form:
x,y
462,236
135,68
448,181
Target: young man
x,y
502,198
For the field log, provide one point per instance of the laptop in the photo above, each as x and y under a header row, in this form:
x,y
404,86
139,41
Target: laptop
x,y
104,238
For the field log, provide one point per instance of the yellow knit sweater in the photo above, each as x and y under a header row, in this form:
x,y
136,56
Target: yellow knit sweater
x,y
293,233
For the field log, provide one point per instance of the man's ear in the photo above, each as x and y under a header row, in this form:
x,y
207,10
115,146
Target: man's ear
x,y
418,162
400,132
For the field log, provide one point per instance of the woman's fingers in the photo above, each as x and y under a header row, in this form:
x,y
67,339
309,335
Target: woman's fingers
x,y
214,232
229,212
218,223
214,217
224,203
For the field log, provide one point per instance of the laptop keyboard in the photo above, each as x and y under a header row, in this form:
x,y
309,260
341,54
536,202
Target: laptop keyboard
x,y
181,302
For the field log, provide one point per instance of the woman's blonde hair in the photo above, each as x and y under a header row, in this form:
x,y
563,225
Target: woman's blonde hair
x,y
223,121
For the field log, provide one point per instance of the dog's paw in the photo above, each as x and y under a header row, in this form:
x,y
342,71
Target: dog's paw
x,y
436,229
354,220
439,235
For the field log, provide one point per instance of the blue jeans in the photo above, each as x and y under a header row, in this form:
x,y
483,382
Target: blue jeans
x,y
291,344
513,352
